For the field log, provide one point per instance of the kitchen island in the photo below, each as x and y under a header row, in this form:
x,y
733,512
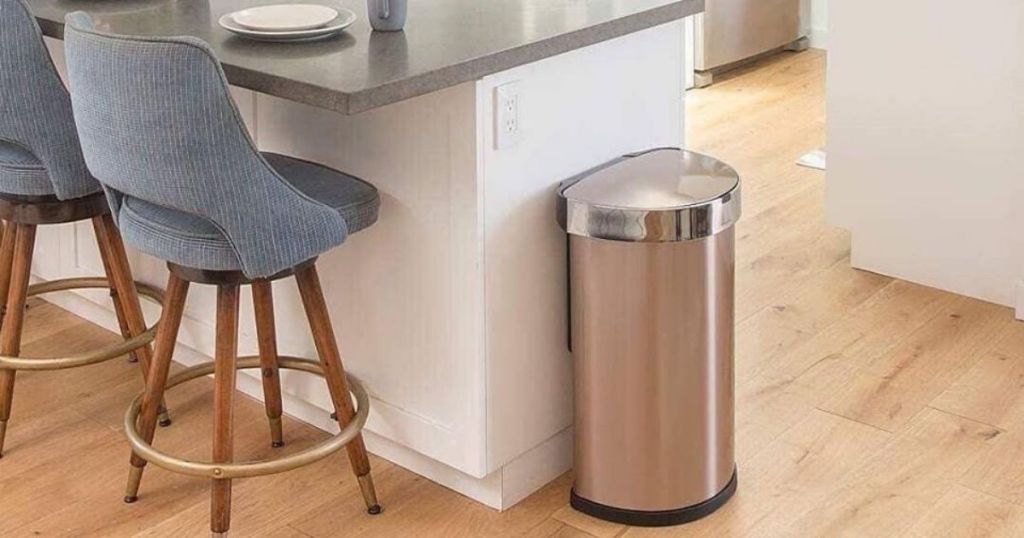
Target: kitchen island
x,y
452,309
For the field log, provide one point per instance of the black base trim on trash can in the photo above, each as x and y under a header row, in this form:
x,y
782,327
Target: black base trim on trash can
x,y
660,518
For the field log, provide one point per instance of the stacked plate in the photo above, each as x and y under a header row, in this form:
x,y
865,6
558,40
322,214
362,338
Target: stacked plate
x,y
288,23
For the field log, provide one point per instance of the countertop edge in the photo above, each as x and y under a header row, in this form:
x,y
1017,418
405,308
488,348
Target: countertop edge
x,y
350,103
478,68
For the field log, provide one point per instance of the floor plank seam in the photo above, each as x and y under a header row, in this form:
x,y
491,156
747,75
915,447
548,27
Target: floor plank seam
x,y
974,420
862,423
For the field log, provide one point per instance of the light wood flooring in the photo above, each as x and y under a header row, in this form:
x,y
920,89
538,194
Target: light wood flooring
x,y
867,406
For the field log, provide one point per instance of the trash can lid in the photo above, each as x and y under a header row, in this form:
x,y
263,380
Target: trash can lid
x,y
660,195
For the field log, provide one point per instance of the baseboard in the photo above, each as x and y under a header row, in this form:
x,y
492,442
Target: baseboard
x,y
1010,295
819,38
1018,301
500,490
536,468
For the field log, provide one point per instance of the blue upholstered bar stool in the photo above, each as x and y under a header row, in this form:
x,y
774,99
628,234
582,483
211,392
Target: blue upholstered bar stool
x,y
162,134
44,180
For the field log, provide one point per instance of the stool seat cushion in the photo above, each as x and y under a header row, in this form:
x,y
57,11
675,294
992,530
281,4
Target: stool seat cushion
x,y
21,172
193,241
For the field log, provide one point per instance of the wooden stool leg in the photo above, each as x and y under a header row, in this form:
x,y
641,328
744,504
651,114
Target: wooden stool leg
x,y
119,309
10,333
225,359
10,231
263,303
6,258
124,294
334,372
133,356
156,380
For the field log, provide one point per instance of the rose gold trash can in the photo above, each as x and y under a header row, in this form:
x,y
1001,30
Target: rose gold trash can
x,y
651,284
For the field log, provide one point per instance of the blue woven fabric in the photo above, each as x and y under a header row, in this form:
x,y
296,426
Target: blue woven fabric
x,y
35,114
160,131
21,172
14,155
193,241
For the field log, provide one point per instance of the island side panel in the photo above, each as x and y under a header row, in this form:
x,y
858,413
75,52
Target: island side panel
x,y
577,110
405,294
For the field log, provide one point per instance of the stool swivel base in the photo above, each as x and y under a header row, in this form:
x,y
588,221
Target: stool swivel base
x,y
222,469
22,215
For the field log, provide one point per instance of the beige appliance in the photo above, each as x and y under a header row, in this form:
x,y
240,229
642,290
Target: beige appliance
x,y
651,268
732,32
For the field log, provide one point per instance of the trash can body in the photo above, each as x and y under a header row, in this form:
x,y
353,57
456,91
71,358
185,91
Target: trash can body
x,y
652,340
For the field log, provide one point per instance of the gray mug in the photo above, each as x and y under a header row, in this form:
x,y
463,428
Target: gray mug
x,y
387,15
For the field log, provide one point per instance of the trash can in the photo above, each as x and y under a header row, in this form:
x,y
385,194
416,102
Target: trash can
x,y
651,264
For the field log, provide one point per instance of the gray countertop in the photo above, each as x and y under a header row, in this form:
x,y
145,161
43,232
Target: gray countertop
x,y
445,42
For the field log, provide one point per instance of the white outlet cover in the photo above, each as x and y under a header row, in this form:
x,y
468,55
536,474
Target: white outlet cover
x,y
508,125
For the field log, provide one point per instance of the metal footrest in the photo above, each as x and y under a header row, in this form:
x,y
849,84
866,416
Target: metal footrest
x,y
250,468
92,357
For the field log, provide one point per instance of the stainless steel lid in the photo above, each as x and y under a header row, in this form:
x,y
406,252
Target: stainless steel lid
x,y
657,196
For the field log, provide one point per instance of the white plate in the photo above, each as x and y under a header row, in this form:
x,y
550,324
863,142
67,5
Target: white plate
x,y
284,17
344,19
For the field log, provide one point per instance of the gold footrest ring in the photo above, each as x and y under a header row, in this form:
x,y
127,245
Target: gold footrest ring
x,y
250,468
93,357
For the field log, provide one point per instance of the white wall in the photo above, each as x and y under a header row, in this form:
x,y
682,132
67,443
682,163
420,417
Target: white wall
x,y
925,141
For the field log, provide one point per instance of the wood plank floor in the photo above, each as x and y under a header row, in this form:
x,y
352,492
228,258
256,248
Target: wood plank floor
x,y
867,406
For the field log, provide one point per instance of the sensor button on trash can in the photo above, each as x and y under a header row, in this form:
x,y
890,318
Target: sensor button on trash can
x,y
651,268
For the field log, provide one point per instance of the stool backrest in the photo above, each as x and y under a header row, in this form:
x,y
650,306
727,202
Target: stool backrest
x,y
157,122
35,110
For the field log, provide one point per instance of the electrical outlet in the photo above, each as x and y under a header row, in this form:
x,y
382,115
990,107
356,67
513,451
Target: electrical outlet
x,y
508,126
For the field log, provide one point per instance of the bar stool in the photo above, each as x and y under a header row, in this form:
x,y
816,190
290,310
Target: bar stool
x,y
43,180
161,132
